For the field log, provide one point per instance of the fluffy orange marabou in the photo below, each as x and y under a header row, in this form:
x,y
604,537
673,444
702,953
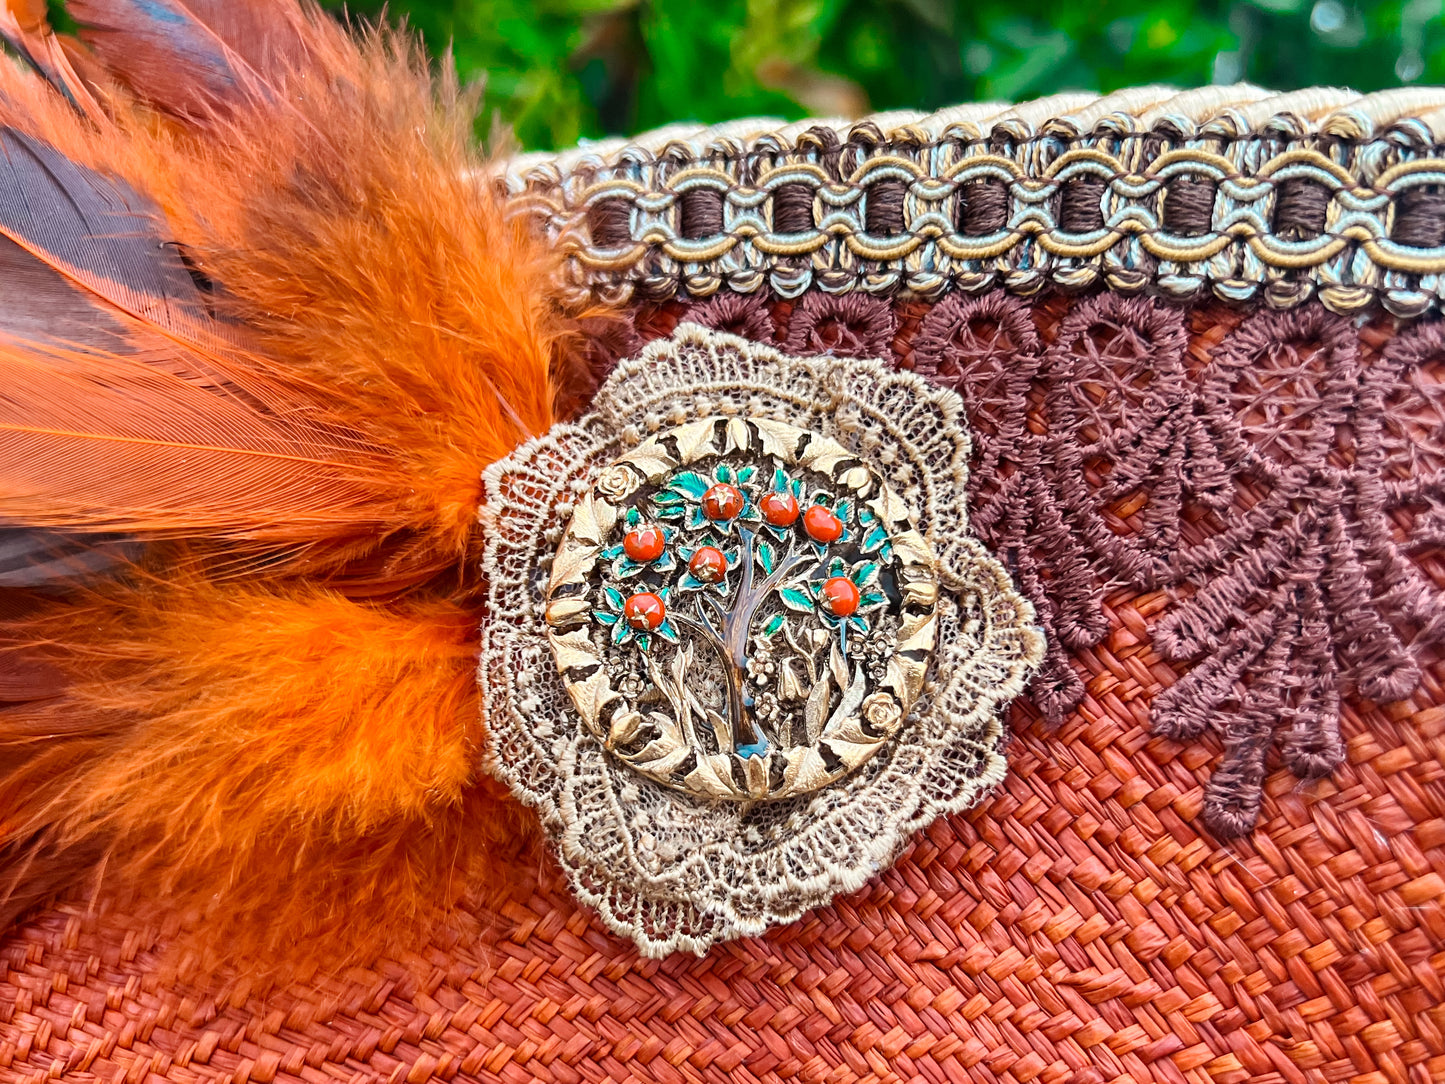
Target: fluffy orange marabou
x,y
296,768
266,713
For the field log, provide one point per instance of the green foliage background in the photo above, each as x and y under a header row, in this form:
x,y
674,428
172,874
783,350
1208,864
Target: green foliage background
x,y
560,70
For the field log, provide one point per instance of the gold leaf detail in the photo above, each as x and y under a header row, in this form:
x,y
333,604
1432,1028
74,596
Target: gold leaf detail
x,y
625,725
696,439
823,455
778,438
738,436
590,696
918,633
890,507
713,777
564,612
574,649
573,561
652,458
920,593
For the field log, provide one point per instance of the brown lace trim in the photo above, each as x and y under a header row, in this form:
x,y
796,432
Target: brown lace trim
x,y
1268,490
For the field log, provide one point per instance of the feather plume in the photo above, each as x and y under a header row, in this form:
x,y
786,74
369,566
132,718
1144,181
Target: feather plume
x,y
191,58
246,397
111,442
95,232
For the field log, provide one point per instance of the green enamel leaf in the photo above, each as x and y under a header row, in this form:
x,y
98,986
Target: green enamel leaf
x,y
614,598
774,623
632,516
724,473
696,518
865,574
667,632
836,567
644,640
780,479
621,632
690,483
606,618
875,538
611,553
872,598
625,568
797,487
746,474
842,510
667,498
767,557
796,599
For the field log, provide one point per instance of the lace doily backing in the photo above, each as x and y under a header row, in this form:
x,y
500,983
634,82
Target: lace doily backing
x,y
661,709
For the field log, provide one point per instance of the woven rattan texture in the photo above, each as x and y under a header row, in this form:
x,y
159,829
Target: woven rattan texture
x,y
1081,926
1316,195
1075,928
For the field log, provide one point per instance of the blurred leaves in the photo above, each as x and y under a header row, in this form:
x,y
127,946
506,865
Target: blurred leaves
x,y
561,70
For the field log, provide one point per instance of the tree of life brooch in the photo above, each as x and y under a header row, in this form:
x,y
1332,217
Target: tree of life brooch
x,y
742,642
741,609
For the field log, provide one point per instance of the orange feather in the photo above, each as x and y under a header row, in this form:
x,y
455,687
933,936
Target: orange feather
x,y
112,442
274,329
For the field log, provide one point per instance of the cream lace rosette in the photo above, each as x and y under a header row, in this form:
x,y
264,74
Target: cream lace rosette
x,y
743,643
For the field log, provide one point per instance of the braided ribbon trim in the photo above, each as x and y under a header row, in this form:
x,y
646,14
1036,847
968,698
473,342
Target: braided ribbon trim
x,y
1223,191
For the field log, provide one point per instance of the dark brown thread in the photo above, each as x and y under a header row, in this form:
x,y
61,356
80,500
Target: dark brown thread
x,y
745,315
987,349
1080,205
792,208
701,213
824,141
1300,208
982,207
848,325
883,214
1420,217
1189,206
610,221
